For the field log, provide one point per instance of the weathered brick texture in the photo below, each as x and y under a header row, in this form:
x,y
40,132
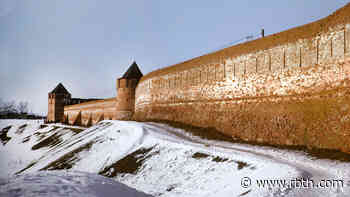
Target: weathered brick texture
x,y
90,113
125,99
290,88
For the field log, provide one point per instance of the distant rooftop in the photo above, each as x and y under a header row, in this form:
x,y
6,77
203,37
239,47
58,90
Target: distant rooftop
x,y
133,72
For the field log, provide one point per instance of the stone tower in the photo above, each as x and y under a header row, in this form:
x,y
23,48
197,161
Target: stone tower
x,y
58,98
126,86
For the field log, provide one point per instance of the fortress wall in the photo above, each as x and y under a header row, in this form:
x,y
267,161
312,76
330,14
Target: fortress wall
x,y
290,88
89,113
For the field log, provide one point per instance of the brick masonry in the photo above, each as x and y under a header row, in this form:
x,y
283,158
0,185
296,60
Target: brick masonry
x,y
290,88
90,113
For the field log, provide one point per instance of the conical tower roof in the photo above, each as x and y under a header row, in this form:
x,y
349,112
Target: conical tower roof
x,y
133,72
60,89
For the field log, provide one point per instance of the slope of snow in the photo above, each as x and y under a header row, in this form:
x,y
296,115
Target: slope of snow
x,y
16,154
24,145
164,161
61,183
98,146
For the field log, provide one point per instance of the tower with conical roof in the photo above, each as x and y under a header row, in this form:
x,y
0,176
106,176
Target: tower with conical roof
x,y
126,86
58,98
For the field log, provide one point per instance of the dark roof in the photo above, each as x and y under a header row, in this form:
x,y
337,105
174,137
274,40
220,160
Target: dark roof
x,y
133,72
60,89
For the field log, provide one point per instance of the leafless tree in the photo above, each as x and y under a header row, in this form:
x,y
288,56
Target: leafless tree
x,y
22,107
8,107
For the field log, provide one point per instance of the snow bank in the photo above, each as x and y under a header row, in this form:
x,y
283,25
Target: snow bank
x,y
94,148
60,183
17,153
160,160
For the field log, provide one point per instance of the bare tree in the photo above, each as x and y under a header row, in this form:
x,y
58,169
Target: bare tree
x,y
1,105
22,107
8,107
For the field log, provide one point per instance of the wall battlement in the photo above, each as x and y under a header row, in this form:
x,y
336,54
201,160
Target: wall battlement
x,y
289,88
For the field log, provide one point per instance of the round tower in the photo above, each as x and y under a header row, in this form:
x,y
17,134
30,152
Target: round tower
x,y
126,86
57,99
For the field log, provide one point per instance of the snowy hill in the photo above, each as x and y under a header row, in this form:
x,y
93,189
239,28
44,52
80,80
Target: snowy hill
x,y
159,160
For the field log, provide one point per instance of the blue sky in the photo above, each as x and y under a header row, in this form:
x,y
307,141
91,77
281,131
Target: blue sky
x,y
88,44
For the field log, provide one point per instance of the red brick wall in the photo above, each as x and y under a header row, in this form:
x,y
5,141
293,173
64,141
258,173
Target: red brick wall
x,y
56,104
94,111
288,88
89,113
126,98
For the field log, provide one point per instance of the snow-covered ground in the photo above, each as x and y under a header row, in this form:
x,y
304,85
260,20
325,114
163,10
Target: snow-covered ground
x,y
161,160
60,183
